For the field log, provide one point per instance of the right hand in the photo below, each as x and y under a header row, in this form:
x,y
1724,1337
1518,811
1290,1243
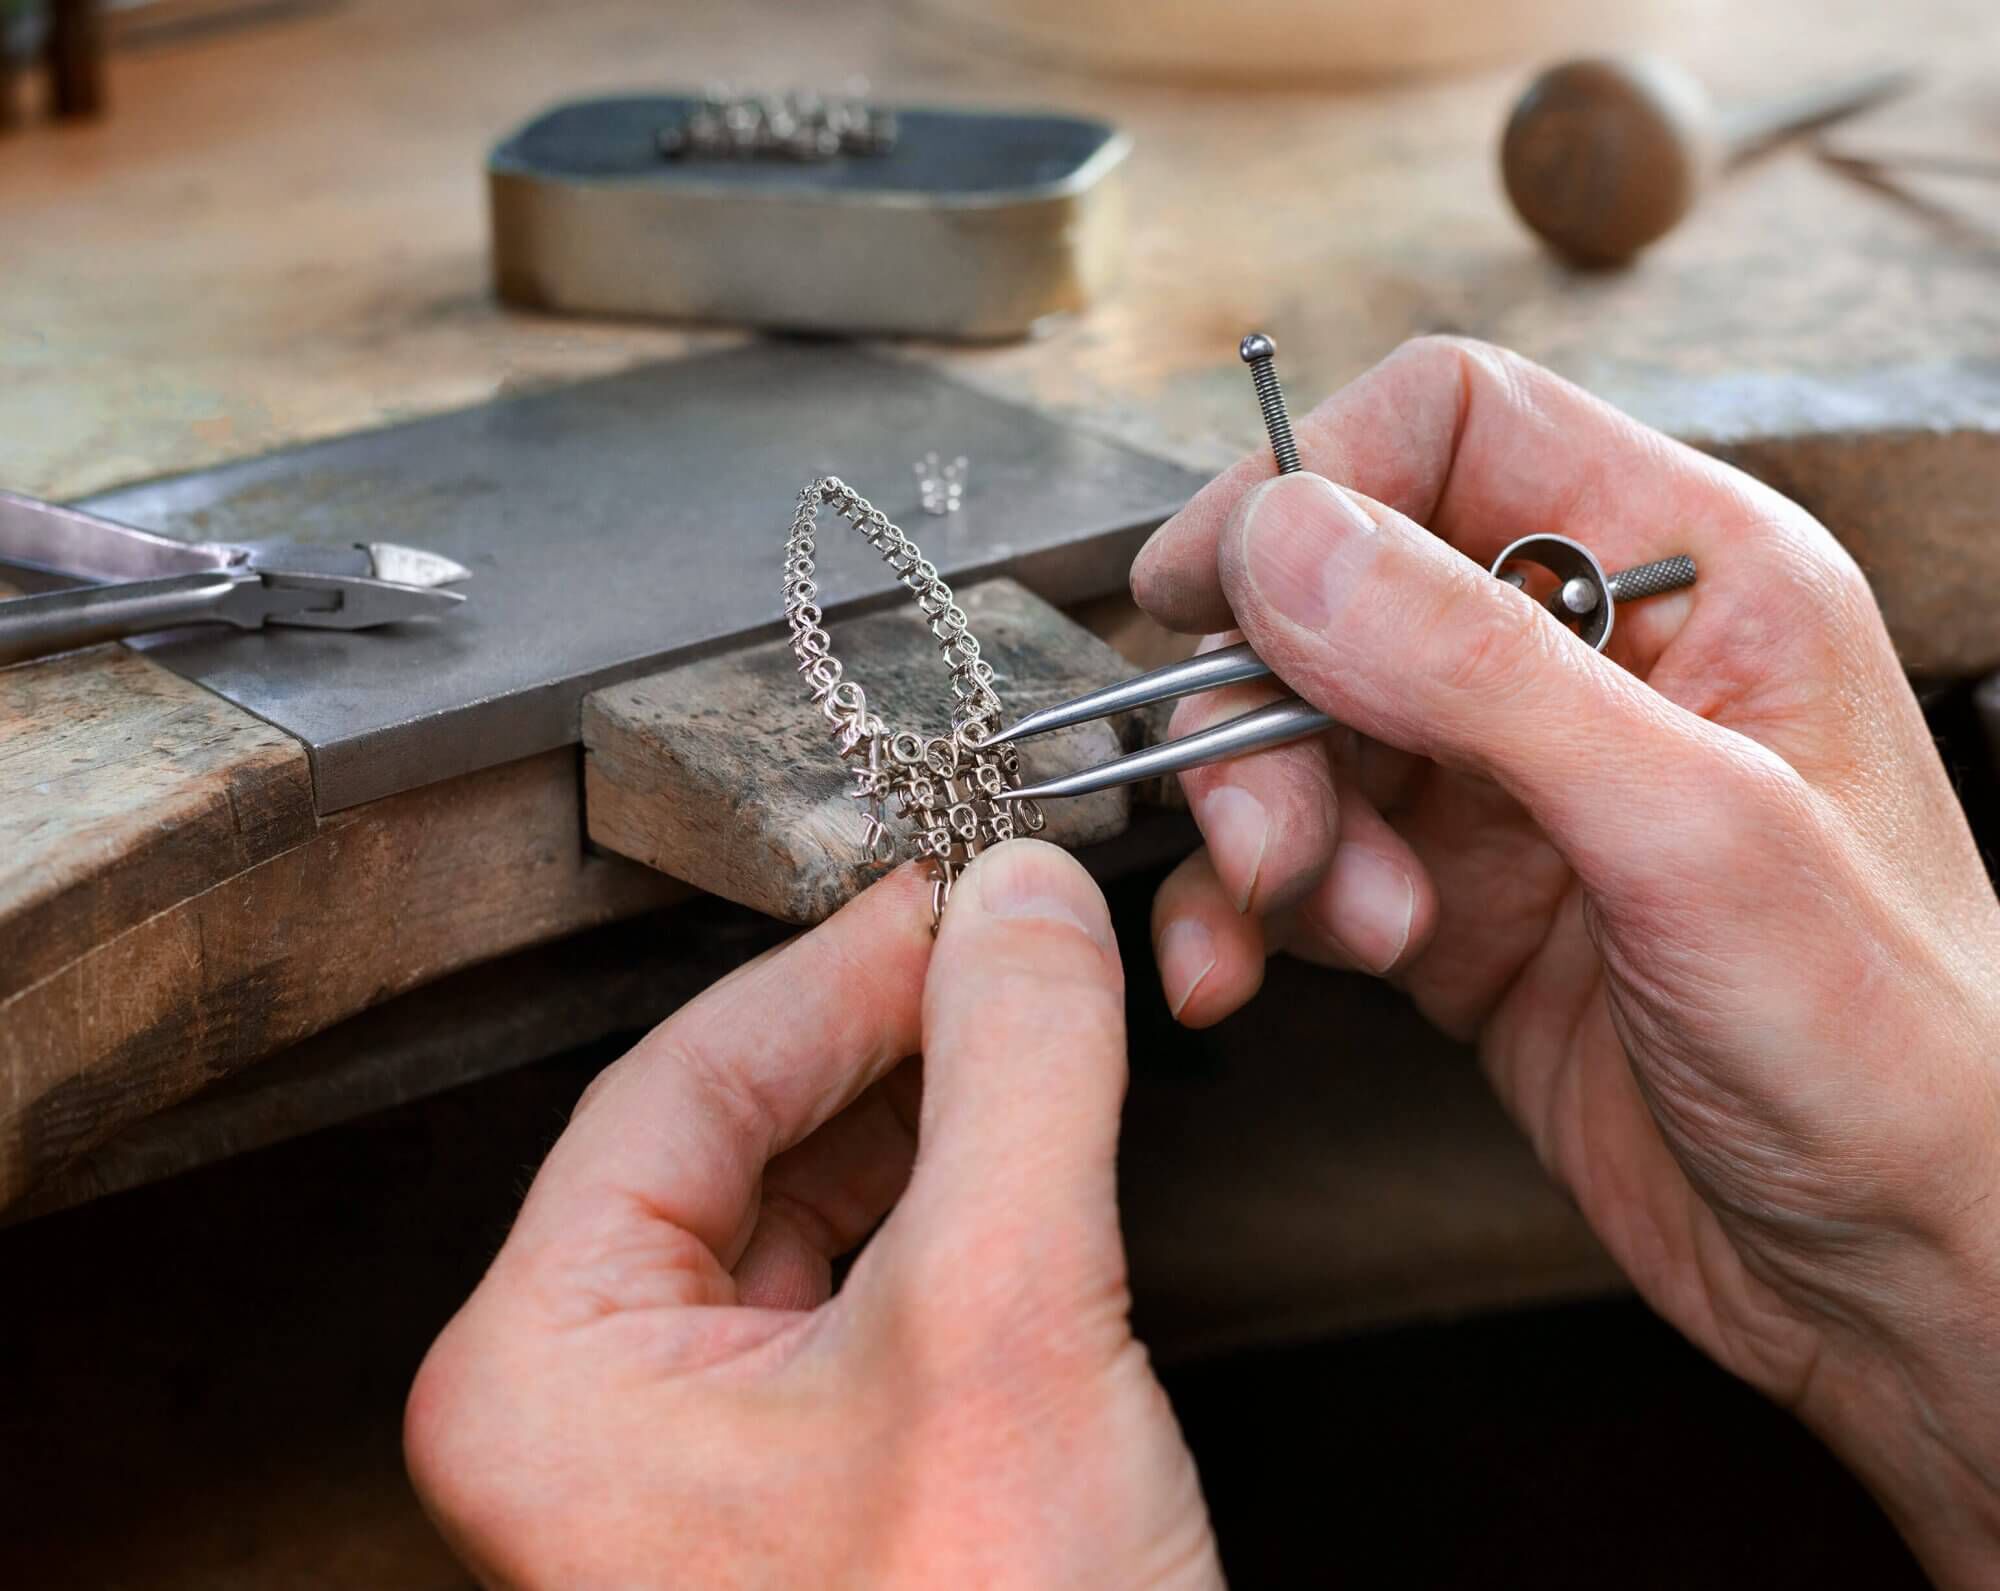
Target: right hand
x,y
1707,905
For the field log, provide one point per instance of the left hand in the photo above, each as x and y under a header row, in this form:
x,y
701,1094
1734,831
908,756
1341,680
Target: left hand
x,y
656,1383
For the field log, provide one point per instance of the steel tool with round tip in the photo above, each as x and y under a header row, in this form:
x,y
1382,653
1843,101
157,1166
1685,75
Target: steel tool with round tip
x,y
1602,157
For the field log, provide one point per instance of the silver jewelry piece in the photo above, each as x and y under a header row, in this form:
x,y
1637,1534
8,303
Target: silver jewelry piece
x,y
940,486
952,792
800,125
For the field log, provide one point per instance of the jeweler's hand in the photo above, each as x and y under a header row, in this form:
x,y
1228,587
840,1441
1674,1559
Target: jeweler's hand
x,y
1707,904
652,1386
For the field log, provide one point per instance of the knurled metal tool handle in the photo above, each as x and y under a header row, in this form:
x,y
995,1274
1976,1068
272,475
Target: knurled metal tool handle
x,y
62,620
1652,579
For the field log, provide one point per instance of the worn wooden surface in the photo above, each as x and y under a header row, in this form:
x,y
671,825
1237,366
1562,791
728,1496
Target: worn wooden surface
x,y
123,790
722,772
377,900
468,1025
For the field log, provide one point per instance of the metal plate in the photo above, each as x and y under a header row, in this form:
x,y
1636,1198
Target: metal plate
x,y
621,524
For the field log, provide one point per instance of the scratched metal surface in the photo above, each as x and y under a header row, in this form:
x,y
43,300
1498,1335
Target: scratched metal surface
x,y
621,524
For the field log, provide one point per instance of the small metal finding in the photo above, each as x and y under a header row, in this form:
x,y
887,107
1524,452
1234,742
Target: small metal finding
x,y
799,125
940,484
1578,597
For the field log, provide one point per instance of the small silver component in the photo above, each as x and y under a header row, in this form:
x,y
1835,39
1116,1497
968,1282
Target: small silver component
x,y
940,483
1579,596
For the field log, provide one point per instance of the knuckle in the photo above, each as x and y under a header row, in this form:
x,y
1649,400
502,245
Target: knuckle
x,y
445,1450
1796,552
1813,601
1748,813
1467,365
1481,652
1451,353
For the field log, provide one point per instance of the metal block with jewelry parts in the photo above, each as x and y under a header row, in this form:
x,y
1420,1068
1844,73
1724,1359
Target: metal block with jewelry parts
x,y
806,213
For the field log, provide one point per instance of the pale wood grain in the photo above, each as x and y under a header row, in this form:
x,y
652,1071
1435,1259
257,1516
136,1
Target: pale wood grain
x,y
123,790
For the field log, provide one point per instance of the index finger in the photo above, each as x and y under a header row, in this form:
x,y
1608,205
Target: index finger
x,y
1482,447
673,1138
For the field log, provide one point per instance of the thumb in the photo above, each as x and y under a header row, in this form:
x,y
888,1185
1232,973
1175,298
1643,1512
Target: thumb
x,y
1398,635
1013,1197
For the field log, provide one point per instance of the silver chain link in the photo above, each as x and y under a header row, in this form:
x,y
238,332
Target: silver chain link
x,y
950,790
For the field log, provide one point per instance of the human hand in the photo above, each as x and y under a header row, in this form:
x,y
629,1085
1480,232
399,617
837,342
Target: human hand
x,y
655,1384
1707,904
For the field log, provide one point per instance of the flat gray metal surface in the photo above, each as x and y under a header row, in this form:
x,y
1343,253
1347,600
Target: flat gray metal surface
x,y
624,523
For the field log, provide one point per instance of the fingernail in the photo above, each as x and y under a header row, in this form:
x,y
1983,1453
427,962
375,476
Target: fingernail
x,y
1030,880
1186,956
1303,540
1373,903
1237,828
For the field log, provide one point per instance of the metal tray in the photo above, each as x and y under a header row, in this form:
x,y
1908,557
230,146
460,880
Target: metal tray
x,y
974,226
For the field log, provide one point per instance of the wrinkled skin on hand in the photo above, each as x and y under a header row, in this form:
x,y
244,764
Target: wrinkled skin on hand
x,y
656,1385
1706,904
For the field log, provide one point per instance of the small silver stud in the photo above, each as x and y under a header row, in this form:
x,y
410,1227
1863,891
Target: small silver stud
x,y
940,484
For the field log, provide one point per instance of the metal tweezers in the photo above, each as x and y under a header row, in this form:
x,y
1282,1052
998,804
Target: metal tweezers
x,y
1271,725
1279,722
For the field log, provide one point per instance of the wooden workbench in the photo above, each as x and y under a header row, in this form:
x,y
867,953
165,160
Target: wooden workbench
x,y
279,236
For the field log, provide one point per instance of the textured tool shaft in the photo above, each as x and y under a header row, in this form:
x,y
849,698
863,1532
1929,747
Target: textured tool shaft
x,y
1652,579
1271,399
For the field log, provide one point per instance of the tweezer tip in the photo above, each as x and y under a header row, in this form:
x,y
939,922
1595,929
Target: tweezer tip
x,y
1029,725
